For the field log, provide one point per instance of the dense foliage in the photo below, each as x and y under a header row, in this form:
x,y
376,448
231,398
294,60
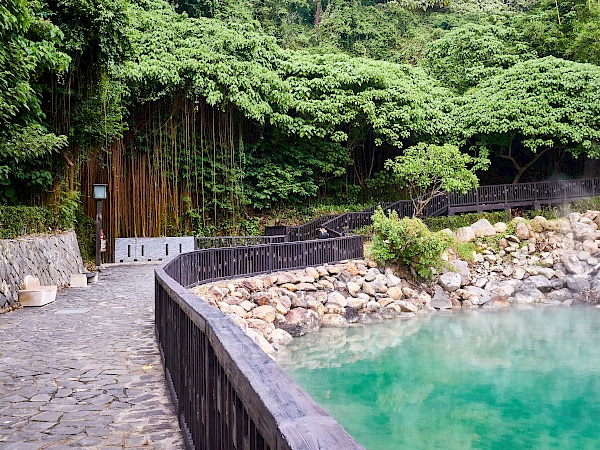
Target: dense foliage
x,y
17,221
408,242
200,113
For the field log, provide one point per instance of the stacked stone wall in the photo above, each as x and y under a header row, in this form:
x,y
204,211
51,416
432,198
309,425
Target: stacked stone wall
x,y
51,258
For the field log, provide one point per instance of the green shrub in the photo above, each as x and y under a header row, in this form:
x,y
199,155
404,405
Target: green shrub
x,y
464,220
68,207
85,228
18,221
408,242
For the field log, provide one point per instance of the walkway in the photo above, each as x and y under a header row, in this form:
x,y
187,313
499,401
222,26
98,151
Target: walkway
x,y
85,372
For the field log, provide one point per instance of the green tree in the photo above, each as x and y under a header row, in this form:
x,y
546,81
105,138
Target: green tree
x,y
471,53
532,108
27,51
427,170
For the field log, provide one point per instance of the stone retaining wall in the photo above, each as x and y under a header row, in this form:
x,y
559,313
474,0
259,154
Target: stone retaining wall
x,y
51,258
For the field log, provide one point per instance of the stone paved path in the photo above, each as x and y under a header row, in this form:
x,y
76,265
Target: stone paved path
x,y
85,372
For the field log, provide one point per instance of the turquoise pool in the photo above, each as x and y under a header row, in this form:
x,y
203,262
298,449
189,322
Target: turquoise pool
x,y
517,379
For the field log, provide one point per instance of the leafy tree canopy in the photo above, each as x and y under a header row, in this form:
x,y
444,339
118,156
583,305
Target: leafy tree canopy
x,y
27,50
468,54
540,105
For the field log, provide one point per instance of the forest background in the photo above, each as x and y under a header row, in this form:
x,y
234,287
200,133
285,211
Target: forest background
x,y
213,116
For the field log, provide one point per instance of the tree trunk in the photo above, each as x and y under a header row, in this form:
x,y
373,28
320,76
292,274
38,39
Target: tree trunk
x,y
318,13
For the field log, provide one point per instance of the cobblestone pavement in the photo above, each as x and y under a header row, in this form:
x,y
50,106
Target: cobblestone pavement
x,y
85,371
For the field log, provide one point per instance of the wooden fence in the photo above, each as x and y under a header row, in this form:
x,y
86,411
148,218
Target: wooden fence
x,y
228,394
236,241
484,198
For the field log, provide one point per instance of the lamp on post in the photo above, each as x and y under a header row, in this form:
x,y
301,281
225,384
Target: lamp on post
x,y
99,193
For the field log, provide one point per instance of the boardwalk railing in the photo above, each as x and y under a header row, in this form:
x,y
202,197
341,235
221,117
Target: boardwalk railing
x,y
484,198
228,394
506,196
235,241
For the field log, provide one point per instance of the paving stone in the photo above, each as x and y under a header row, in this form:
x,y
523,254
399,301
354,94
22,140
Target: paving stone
x,y
48,416
72,372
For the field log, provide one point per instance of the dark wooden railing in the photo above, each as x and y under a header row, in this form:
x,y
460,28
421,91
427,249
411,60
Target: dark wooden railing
x,y
506,196
484,198
236,241
228,394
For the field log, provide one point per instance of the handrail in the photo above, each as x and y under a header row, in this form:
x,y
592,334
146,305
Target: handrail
x,y
228,394
484,198
201,242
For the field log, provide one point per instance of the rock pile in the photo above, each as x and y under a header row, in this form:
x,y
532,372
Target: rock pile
x,y
547,262
273,308
550,262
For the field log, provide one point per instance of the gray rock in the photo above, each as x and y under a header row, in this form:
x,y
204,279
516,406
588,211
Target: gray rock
x,y
450,281
483,228
465,234
528,296
295,329
373,306
546,271
370,317
336,297
522,230
351,315
550,301
368,289
478,296
440,300
345,276
572,263
355,303
541,282
560,294
353,288
392,280
496,302
462,267
280,337
406,306
378,286
578,283
305,317
335,320
372,274
388,313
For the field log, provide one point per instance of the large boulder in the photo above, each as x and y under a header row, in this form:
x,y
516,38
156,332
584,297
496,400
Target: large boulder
x,y
406,306
336,297
440,300
266,313
560,294
392,280
572,263
541,282
478,296
578,283
483,228
529,295
465,234
462,267
280,338
335,320
450,281
522,230
303,316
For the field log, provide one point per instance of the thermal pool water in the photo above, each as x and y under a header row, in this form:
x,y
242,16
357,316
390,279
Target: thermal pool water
x,y
515,379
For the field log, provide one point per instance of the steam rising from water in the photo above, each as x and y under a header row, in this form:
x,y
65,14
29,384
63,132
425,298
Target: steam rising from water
x,y
515,379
